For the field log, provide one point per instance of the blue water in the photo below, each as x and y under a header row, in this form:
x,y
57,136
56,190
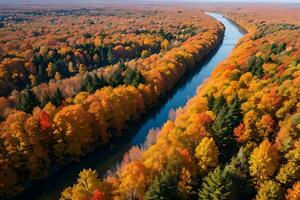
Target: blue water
x,y
232,35
106,157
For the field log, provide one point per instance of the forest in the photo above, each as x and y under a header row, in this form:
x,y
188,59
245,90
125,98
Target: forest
x,y
72,80
237,138
75,79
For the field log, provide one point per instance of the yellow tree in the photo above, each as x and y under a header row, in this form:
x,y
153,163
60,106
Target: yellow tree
x,y
87,183
264,160
269,190
133,181
207,154
73,131
165,44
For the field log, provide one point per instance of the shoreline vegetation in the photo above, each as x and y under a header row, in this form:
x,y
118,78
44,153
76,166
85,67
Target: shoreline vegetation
x,y
62,132
237,138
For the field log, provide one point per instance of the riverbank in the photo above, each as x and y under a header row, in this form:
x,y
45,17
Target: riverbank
x,y
207,48
103,161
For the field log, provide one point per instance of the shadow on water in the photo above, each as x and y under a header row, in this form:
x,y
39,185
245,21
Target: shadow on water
x,y
107,156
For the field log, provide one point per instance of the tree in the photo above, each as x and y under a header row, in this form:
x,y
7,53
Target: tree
x,y
88,84
110,56
45,99
238,170
255,66
228,117
207,154
223,136
116,77
73,132
165,44
289,173
263,161
87,187
163,187
217,185
57,98
294,192
51,70
234,115
28,101
133,77
269,190
185,185
133,180
145,53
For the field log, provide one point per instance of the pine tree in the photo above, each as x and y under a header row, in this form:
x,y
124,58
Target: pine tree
x,y
228,117
88,84
99,82
28,101
223,136
211,100
45,99
164,187
110,56
234,115
238,170
255,66
219,103
217,185
57,98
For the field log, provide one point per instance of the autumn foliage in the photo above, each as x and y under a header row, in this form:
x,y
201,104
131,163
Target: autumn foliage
x,y
238,137
68,90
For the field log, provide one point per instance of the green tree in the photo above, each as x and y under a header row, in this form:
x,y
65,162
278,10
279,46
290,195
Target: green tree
x,y
255,66
57,98
45,99
228,117
110,56
164,187
28,101
234,115
88,84
217,185
238,169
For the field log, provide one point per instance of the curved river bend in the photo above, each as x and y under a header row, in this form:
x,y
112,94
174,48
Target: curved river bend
x,y
104,158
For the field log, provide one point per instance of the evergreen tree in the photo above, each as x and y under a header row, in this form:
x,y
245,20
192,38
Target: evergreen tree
x,y
211,99
133,77
228,117
218,104
255,66
110,56
99,82
234,115
139,78
57,98
217,185
28,101
223,136
164,187
45,99
88,84
238,170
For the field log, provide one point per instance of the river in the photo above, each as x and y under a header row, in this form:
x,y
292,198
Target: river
x,y
104,158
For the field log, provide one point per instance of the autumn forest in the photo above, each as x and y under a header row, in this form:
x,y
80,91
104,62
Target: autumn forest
x,y
121,79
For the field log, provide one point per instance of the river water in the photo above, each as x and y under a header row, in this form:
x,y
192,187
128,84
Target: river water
x,y
104,158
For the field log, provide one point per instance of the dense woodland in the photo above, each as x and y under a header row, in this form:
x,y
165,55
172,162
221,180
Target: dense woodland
x,y
71,80
238,138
